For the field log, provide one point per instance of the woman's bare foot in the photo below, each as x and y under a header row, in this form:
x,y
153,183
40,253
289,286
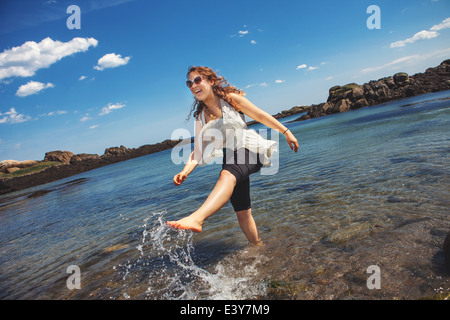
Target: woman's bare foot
x,y
187,223
257,243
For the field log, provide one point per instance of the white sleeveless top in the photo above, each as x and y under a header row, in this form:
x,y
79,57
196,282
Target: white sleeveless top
x,y
231,132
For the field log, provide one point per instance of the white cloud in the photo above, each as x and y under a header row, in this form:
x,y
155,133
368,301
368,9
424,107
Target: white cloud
x,y
262,84
111,60
54,113
424,34
408,61
25,60
86,118
110,108
32,87
86,77
309,68
12,116
392,63
245,32
279,81
329,78
445,24
94,126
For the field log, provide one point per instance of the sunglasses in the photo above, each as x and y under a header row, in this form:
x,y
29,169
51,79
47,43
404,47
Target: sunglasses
x,y
196,80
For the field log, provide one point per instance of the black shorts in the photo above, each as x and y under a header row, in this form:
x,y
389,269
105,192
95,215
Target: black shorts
x,y
241,164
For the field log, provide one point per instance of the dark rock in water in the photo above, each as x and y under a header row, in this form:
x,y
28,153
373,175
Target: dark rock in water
x,y
39,193
74,182
447,250
393,199
301,187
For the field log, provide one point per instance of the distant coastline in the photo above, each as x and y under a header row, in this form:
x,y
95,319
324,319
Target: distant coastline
x,y
65,164
399,86
18,175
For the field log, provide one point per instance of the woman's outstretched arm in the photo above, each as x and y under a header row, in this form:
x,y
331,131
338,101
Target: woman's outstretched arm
x,y
263,117
194,157
188,168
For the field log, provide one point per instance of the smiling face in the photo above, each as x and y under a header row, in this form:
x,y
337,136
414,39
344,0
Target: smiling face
x,y
202,90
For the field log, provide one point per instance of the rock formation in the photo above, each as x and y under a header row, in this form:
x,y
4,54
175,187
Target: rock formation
x,y
446,248
60,156
83,157
71,164
401,85
9,166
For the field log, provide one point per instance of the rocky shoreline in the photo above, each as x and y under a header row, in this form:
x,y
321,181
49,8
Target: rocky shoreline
x,y
341,99
399,86
69,164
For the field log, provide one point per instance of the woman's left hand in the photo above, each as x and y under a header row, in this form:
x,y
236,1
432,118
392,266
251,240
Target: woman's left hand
x,y
179,178
292,141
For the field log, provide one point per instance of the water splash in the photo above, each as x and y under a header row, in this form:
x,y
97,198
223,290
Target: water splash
x,y
169,254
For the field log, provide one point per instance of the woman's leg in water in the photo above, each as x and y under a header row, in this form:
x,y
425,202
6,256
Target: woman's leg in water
x,y
248,226
218,197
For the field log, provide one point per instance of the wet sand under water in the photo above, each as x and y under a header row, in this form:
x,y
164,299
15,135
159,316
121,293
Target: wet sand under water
x,y
409,255
410,258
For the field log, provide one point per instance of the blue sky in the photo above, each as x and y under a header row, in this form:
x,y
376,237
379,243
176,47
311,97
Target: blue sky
x,y
120,78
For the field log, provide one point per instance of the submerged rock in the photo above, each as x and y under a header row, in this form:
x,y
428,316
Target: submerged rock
x,y
447,250
38,193
357,230
116,248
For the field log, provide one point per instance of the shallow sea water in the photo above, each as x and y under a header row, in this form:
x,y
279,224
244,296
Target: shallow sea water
x,y
368,187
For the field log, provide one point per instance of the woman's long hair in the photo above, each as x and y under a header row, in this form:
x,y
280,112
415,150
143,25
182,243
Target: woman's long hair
x,y
220,88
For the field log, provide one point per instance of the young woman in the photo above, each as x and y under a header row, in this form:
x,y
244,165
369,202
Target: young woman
x,y
219,110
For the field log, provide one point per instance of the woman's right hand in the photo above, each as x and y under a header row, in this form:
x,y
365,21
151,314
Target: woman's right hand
x,y
179,178
291,140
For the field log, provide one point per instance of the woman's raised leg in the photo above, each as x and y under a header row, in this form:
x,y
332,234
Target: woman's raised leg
x,y
218,197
